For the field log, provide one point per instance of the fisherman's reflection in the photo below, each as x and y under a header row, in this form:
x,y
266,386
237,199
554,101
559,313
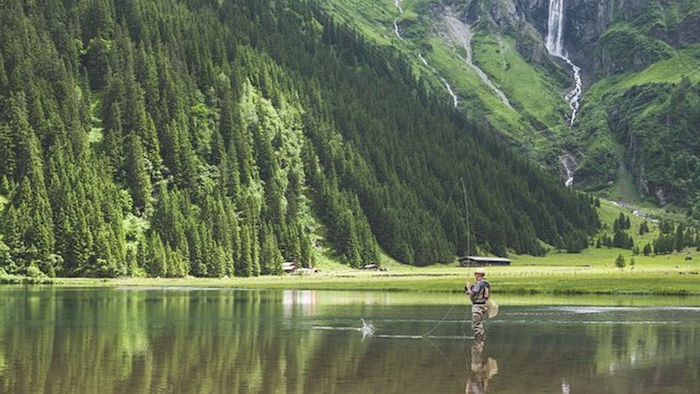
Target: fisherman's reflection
x,y
481,370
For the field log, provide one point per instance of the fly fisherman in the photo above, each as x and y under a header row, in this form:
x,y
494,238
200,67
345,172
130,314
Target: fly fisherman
x,y
478,294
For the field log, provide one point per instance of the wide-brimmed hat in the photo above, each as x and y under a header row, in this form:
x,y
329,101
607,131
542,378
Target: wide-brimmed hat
x,y
480,271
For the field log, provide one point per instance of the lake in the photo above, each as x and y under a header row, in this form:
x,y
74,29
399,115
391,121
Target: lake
x,y
177,340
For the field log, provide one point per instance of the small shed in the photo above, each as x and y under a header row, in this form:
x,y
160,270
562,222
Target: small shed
x,y
289,267
476,261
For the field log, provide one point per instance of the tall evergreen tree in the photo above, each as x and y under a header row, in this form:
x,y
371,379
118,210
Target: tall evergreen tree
x,y
136,167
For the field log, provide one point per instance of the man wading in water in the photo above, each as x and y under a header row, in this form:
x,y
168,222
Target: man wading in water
x,y
479,294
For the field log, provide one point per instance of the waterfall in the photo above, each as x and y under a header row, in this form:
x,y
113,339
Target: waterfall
x,y
555,46
455,99
397,3
574,96
555,28
569,164
422,59
397,31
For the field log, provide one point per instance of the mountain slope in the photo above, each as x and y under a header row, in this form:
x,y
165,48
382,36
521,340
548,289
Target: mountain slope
x,y
207,138
639,73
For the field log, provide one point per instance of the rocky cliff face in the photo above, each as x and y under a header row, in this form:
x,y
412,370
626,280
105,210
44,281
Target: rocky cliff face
x,y
643,31
616,37
524,20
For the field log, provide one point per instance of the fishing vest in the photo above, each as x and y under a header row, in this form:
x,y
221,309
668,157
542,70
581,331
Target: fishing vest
x,y
480,296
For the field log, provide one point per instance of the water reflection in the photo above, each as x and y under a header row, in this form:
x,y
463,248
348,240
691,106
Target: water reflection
x,y
482,369
55,340
602,349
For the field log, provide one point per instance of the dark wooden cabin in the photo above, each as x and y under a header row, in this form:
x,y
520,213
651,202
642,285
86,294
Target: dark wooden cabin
x,y
476,261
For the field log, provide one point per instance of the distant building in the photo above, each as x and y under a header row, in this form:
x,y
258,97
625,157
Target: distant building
x,y
475,261
289,267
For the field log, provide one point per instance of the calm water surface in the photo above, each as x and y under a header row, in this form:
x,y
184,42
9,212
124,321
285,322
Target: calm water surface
x,y
58,340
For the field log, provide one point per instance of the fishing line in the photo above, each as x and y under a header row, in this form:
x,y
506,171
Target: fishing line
x,y
464,337
441,321
466,207
446,359
466,215
468,228
450,199
368,330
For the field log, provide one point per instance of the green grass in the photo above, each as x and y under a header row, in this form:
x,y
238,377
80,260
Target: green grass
x,y
521,82
374,20
475,96
683,64
623,189
646,279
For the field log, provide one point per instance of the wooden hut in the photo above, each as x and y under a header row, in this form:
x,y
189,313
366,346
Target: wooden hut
x,y
476,261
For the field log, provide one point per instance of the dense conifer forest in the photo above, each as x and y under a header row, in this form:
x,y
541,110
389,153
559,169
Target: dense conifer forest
x,y
218,138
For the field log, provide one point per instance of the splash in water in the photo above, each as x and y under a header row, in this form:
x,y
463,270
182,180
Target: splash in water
x,y
367,329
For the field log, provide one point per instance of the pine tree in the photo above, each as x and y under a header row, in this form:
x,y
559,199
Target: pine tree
x,y
244,265
96,61
270,256
643,228
156,257
3,73
31,194
113,140
137,177
7,154
620,262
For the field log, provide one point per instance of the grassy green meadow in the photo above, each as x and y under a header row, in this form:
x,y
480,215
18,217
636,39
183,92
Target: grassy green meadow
x,y
523,84
592,272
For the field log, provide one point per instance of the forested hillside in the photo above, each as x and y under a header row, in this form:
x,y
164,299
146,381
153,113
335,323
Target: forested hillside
x,y
214,138
607,93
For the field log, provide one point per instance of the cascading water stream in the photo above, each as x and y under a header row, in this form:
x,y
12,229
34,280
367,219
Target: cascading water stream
x,y
555,47
397,31
455,99
569,164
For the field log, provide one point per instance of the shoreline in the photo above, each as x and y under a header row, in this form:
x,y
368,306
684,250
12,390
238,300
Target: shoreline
x,y
505,281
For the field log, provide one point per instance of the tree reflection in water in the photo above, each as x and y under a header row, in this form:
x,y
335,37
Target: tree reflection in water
x,y
58,340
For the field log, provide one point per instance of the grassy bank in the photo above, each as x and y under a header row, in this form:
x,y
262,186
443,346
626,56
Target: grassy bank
x,y
505,280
